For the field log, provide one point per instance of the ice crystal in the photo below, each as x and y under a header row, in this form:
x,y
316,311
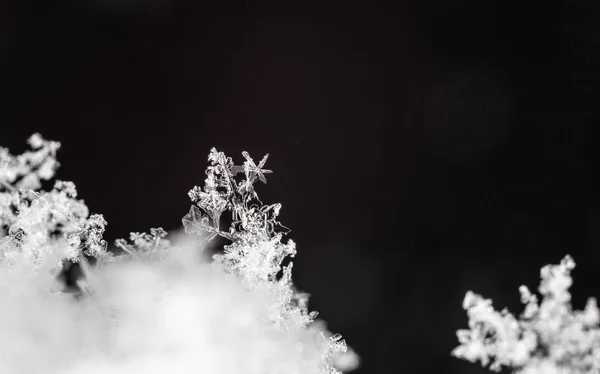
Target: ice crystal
x,y
43,226
256,252
26,171
150,246
548,337
222,192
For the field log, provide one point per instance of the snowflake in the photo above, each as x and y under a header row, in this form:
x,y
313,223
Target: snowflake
x,y
150,246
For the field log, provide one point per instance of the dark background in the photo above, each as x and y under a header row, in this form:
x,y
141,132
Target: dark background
x,y
421,148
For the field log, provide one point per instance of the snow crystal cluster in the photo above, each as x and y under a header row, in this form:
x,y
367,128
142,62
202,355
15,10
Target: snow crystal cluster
x,y
152,305
549,337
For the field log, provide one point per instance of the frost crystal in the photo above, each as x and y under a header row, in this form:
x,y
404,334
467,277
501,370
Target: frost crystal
x,y
27,170
43,227
256,253
222,192
549,337
152,246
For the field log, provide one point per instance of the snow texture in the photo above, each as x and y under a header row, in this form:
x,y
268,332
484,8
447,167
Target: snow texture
x,y
152,304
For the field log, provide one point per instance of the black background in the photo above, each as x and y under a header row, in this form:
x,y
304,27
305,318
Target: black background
x,y
420,148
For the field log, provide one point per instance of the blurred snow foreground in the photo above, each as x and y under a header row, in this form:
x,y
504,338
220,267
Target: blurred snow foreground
x,y
548,338
159,306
